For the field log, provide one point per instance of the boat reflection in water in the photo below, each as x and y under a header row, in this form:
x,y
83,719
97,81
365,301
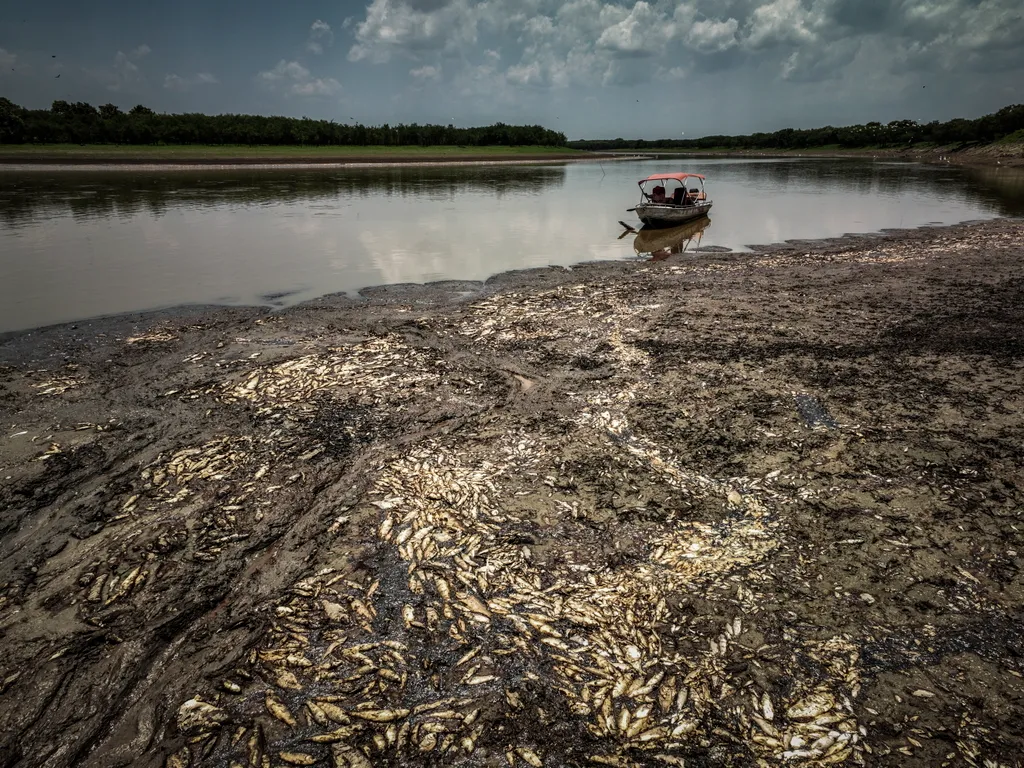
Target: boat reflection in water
x,y
659,243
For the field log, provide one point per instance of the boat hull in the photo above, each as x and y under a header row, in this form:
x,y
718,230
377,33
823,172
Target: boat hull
x,y
670,215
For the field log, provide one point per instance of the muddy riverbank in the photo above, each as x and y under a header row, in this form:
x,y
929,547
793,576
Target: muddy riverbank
x,y
715,509
997,154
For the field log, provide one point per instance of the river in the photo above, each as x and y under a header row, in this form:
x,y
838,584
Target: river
x,y
76,244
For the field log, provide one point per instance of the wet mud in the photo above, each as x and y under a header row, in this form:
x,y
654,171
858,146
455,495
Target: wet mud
x,y
716,509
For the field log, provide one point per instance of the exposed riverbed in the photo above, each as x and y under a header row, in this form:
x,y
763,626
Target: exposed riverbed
x,y
713,509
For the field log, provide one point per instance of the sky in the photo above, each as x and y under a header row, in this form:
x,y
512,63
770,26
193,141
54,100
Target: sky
x,y
589,68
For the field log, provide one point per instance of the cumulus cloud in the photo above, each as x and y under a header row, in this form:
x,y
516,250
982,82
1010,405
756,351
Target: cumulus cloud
x,y
175,83
627,72
961,34
643,32
183,84
672,73
591,42
407,27
712,36
284,71
320,35
293,78
426,72
820,63
320,86
484,80
784,22
560,43
124,73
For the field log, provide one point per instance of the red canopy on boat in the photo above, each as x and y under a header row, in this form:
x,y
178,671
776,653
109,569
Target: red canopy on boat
x,y
672,176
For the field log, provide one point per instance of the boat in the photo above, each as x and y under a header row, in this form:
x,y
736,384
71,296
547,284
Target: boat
x,y
661,207
659,242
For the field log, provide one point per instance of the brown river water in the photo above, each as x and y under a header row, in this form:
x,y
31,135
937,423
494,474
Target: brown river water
x,y
76,244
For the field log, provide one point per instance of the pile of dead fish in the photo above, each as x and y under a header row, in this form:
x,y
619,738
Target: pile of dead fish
x,y
178,485
377,371
463,646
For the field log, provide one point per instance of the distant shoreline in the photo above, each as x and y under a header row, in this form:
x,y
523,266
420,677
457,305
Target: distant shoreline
x,y
179,165
104,157
1004,154
135,157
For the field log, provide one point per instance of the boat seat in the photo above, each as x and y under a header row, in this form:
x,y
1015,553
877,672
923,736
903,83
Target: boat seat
x,y
677,195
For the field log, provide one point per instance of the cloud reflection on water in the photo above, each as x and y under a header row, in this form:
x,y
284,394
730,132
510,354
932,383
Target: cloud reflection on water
x,y
82,244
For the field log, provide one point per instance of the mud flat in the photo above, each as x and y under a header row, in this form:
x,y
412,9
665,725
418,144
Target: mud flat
x,y
721,509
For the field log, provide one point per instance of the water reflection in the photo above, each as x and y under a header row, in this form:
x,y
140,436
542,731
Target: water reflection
x,y
28,195
659,244
1001,187
83,243
1006,185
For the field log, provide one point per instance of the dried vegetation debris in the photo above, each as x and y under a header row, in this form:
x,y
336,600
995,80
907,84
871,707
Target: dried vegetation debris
x,y
637,552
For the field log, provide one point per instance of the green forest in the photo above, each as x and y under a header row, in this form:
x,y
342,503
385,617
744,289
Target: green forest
x,y
81,123
899,133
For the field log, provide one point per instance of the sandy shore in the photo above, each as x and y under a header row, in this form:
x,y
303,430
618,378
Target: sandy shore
x,y
1010,155
719,509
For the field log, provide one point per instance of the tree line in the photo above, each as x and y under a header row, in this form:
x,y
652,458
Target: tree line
x,y
82,123
898,133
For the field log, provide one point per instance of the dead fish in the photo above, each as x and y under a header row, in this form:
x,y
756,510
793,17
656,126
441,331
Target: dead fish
x,y
341,734
654,734
812,706
280,711
345,756
531,757
379,715
475,605
332,711
297,758
428,742
287,680
96,592
334,611
315,712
